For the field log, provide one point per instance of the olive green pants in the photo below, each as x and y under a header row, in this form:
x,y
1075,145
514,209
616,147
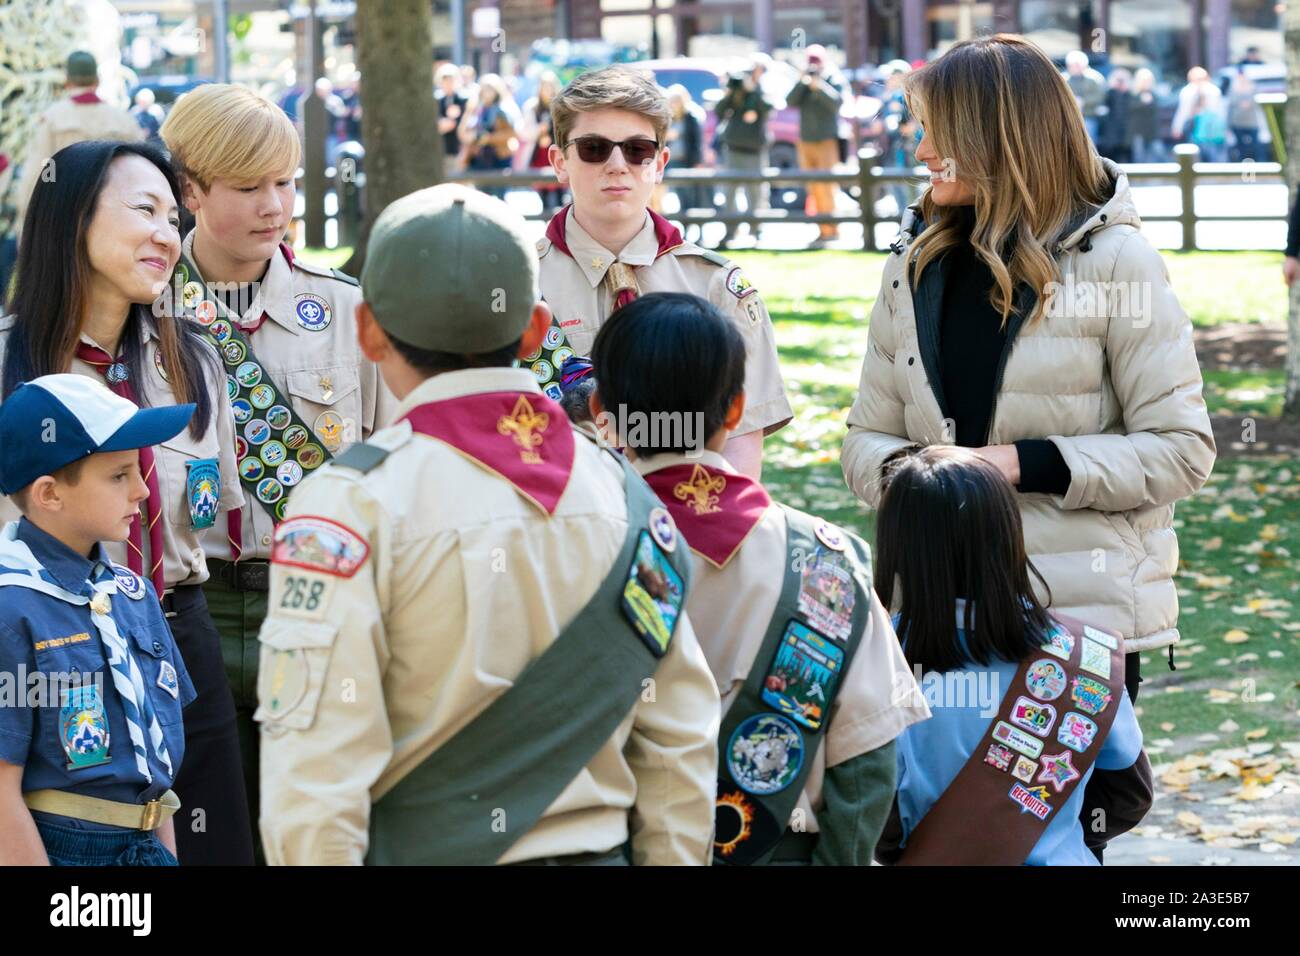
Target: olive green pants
x,y
238,617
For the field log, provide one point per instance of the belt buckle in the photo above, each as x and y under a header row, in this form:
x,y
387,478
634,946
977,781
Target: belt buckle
x,y
152,816
253,576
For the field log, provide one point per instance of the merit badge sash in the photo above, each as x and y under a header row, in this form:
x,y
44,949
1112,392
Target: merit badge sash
x,y
1043,741
275,448
522,437
771,733
470,800
715,510
548,359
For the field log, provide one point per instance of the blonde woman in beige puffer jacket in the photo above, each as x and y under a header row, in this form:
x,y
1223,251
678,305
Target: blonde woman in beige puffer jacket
x,y
1076,375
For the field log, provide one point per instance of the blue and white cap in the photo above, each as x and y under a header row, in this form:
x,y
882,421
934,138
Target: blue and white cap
x,y
55,420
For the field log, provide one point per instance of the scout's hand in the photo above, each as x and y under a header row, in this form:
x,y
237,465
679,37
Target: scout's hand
x,y
20,842
750,116
1003,457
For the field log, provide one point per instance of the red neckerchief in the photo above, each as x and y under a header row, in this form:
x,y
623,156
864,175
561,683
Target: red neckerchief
x,y
666,233
715,510
83,98
524,437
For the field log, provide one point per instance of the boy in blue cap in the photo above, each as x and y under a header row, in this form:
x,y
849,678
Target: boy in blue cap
x,y
90,720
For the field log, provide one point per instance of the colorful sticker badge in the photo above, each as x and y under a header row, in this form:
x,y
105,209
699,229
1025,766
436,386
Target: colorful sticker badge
x,y
234,352
329,428
313,312
274,452
269,491
1101,637
294,437
826,596
257,431
242,409
168,680
279,417
1095,659
83,727
653,595
262,396
801,681
1017,739
202,491
1058,770
765,754
1060,643
662,529
1076,731
251,469
1032,716
998,757
1032,800
740,823
1045,679
1090,696
289,473
310,456
1024,769
248,374
319,544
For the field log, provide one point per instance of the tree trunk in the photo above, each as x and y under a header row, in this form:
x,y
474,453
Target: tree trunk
x,y
1291,26
398,117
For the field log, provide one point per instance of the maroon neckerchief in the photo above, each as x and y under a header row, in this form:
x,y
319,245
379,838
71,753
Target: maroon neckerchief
x,y
665,232
715,510
84,98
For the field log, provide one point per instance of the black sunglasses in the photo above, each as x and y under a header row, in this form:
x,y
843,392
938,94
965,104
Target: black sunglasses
x,y
596,149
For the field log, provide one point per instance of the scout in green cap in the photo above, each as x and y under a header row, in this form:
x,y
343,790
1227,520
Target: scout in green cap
x,y
466,609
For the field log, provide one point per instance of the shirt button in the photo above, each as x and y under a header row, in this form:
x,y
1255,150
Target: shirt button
x,y
157,648
895,283
266,539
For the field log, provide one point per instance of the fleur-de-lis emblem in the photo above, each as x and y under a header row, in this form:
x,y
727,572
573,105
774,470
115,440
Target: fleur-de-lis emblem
x,y
701,492
525,426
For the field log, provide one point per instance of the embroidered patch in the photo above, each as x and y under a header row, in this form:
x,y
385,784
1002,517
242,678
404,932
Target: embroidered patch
x,y
738,285
311,456
1032,716
83,727
249,374
191,294
1058,770
653,595
663,530
202,491
743,828
53,642
243,411
279,417
232,388
329,428
221,330
251,469
765,754
313,312
830,535
701,491
1017,739
1045,679
289,473
257,431
1101,637
282,682
1095,659
294,437
1024,769
269,491
1076,731
319,544
1090,696
553,338
234,352
1032,800
1060,643
998,757
205,312
262,397
274,452
128,583
826,596
525,426
752,310
804,674
168,680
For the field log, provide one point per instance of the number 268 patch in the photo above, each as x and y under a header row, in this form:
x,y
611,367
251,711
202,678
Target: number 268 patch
x,y
304,595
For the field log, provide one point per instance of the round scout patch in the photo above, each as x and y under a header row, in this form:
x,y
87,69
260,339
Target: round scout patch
x,y
310,456
283,682
561,356
249,374
313,312
329,428
543,370
191,295
257,431
273,452
263,396
269,490
295,436
289,473
241,446
553,338
830,535
242,409
182,273
662,529
251,469
280,508
221,330
158,364
206,312
234,351
232,387
765,754
278,417
532,356
1045,679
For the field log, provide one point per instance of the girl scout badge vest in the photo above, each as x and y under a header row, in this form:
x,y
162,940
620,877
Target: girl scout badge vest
x,y
275,449
1043,741
520,753
776,722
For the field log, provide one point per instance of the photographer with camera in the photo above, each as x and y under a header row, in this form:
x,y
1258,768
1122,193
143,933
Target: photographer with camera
x,y
818,98
742,114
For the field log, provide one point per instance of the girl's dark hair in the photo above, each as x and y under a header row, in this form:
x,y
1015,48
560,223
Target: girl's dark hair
x,y
52,281
669,352
949,528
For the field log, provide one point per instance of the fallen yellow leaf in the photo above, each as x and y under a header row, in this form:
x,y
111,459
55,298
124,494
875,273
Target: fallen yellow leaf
x,y
1236,636
1256,734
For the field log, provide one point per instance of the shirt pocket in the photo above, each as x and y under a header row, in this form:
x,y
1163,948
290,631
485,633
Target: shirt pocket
x,y
166,684
329,401
295,657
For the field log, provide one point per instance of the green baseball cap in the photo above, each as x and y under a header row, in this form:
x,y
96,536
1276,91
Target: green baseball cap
x,y
82,66
450,269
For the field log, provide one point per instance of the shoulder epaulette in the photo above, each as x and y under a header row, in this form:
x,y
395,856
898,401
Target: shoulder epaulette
x,y
363,457
543,246
708,255
327,273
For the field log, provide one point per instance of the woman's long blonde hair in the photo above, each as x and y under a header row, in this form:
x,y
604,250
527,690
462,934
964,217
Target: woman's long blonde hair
x,y
997,110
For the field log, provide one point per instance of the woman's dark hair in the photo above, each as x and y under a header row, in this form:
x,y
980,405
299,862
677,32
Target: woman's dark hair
x,y
949,528
52,282
669,352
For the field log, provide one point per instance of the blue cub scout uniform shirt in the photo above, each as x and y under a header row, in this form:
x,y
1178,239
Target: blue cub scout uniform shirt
x,y
72,734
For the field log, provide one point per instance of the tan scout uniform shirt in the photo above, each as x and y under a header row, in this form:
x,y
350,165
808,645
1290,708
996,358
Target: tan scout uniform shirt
x,y
465,584
574,290
331,385
183,558
63,124
731,608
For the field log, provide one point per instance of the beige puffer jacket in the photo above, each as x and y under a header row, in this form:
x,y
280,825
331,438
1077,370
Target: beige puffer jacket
x,y
1115,386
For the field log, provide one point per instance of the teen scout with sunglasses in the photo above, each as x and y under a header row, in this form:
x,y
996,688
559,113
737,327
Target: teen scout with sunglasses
x,y
607,247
